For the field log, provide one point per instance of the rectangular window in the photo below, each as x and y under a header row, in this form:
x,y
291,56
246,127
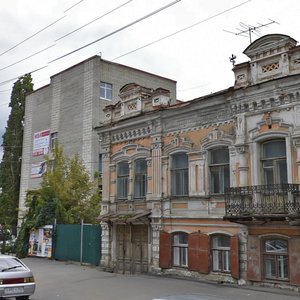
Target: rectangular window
x,y
219,170
221,253
122,180
180,249
53,140
274,162
105,90
179,175
140,178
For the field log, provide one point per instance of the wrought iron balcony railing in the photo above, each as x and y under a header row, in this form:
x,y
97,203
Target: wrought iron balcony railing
x,y
262,200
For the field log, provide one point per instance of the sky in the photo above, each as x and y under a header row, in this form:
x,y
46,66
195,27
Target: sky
x,y
189,41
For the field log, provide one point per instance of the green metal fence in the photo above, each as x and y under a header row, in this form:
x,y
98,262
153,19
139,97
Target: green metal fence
x,y
77,242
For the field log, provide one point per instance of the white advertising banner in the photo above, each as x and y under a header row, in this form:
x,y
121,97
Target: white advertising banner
x,y
41,142
38,169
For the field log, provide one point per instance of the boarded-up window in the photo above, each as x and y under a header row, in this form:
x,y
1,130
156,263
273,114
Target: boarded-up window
x,y
234,257
165,250
294,260
254,259
199,252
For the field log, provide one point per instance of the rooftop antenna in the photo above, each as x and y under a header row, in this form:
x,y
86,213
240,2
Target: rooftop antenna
x,y
246,30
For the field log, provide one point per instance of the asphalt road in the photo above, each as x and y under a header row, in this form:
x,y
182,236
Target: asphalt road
x,y
71,281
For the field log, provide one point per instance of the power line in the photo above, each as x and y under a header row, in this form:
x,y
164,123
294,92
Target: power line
x,y
15,78
118,30
183,29
73,6
93,21
34,54
41,30
144,46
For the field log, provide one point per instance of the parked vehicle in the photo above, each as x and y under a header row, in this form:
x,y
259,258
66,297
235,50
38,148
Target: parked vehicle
x,y
16,279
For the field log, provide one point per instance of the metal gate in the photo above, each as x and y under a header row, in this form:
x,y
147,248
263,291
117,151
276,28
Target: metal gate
x,y
77,242
132,249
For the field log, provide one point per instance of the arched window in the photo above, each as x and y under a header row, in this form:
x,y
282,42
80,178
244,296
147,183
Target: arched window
x,y
122,180
220,252
274,162
180,249
179,175
140,178
219,170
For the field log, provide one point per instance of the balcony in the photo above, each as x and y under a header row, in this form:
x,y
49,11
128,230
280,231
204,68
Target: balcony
x,y
261,202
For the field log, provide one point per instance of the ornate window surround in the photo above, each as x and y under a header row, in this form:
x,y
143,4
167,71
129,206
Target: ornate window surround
x,y
217,139
255,147
177,145
129,153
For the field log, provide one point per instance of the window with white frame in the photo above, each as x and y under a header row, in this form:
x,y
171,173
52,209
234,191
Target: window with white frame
x,y
140,178
274,162
276,259
180,249
122,180
105,90
179,174
220,252
219,170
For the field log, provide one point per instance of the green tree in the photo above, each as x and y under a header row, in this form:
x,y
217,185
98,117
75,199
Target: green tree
x,y
10,166
66,195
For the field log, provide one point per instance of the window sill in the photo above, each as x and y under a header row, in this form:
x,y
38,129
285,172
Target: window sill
x,y
275,280
180,267
101,98
221,272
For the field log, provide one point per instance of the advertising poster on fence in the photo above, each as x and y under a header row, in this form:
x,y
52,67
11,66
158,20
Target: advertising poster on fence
x,y
40,242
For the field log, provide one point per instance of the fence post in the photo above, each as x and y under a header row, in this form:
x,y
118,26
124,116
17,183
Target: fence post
x,y
81,240
53,246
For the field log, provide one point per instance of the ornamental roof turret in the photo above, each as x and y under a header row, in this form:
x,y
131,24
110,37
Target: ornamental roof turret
x,y
271,56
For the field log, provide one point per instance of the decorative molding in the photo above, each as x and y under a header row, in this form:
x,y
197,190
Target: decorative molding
x,y
198,120
257,132
131,134
217,138
178,144
281,100
149,162
241,149
130,152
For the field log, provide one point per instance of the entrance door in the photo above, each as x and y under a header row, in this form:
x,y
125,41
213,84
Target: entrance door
x,y
132,249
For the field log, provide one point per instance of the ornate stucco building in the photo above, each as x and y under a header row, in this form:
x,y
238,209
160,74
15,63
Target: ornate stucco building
x,y
208,188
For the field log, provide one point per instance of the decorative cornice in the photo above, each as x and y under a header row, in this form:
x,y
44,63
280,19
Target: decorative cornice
x,y
131,134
